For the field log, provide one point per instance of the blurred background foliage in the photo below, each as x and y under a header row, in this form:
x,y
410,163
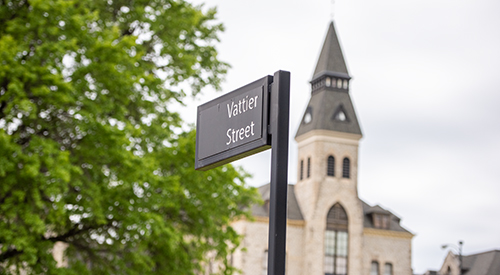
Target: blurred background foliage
x,y
90,154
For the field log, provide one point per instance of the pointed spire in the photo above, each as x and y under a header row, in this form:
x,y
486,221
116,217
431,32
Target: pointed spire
x,y
330,107
331,59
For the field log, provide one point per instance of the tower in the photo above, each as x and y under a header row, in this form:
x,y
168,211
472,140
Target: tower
x,y
328,139
330,231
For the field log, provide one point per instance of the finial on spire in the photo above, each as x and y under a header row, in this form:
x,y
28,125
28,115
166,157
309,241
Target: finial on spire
x,y
332,10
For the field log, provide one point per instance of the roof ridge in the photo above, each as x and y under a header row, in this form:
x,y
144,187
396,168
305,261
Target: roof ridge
x,y
484,252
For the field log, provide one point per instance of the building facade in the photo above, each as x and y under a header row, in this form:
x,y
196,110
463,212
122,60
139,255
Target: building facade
x,y
330,230
485,263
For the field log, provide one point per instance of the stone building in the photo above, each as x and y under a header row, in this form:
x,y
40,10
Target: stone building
x,y
485,263
330,230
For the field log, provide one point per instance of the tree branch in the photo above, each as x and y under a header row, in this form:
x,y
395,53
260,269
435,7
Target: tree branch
x,y
9,254
72,232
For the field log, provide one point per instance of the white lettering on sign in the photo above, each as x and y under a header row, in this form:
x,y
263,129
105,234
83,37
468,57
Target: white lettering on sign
x,y
234,109
230,122
243,105
240,134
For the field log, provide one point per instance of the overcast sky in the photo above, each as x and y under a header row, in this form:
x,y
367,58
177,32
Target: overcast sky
x,y
426,88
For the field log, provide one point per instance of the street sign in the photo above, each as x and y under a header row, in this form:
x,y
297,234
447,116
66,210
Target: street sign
x,y
244,122
233,126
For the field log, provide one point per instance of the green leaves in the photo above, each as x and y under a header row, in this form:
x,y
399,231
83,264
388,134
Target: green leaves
x,y
91,155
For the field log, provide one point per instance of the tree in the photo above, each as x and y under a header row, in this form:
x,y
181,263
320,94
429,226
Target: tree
x,y
90,154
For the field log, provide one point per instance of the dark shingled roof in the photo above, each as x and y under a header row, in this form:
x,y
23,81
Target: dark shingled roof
x,y
486,263
368,221
327,102
331,58
323,106
294,212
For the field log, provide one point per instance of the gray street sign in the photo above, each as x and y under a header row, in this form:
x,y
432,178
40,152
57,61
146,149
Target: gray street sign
x,y
242,123
233,126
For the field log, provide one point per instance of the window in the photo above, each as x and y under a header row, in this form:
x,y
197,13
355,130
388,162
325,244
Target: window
x,y
339,83
308,167
264,263
330,171
307,118
301,169
345,84
388,269
374,268
328,82
336,241
381,221
345,168
340,116
308,115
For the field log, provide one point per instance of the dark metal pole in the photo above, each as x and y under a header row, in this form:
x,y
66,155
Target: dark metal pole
x,y
279,121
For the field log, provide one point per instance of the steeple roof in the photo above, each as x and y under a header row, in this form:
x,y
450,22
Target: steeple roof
x,y
331,59
330,110
330,107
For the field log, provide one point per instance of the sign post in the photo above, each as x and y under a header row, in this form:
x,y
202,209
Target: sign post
x,y
280,113
246,121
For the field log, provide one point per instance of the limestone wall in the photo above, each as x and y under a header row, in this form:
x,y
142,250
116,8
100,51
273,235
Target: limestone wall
x,y
250,259
386,246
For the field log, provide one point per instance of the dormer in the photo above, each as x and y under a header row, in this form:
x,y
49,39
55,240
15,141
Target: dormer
x,y
380,217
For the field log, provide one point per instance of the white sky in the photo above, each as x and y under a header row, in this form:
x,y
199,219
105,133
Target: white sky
x,y
426,85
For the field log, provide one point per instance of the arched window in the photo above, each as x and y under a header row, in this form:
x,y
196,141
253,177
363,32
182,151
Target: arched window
x,y
264,262
374,268
308,167
330,171
388,269
346,167
301,169
336,241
